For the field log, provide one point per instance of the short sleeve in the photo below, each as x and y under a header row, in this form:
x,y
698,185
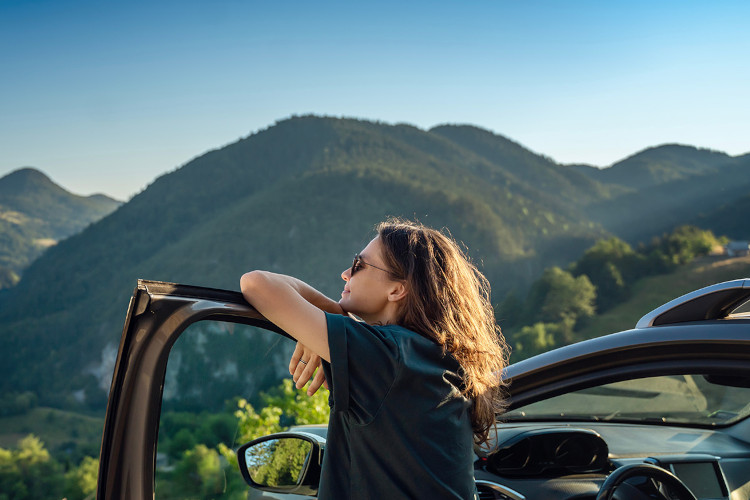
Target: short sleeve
x,y
364,364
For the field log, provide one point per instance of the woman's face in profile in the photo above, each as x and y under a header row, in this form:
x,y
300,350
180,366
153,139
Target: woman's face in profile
x,y
366,291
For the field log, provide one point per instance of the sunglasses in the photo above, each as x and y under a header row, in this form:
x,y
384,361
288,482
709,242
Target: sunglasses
x,y
359,264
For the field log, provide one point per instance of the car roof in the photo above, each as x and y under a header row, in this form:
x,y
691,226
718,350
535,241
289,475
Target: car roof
x,y
710,303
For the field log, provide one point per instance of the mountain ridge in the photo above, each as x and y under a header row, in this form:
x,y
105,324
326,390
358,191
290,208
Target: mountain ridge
x,y
691,199
664,163
35,213
299,197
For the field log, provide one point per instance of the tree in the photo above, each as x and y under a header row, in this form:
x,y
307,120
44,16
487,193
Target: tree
x,y
558,296
29,472
297,406
278,462
555,304
253,425
681,246
200,472
80,482
14,403
611,265
534,339
180,443
285,406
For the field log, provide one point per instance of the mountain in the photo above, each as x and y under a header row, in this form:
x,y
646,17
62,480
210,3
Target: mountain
x,y
728,218
696,199
300,197
727,215
660,165
537,170
36,213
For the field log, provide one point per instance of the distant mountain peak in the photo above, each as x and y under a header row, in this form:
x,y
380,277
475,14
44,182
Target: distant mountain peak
x,y
460,125
673,151
26,175
27,180
30,172
470,128
35,212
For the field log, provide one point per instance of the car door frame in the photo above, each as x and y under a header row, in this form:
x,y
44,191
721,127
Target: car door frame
x,y
157,315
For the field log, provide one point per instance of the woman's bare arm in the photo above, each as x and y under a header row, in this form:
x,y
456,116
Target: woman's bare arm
x,y
294,306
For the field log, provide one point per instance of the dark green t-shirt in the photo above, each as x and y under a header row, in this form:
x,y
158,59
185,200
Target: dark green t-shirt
x,y
399,426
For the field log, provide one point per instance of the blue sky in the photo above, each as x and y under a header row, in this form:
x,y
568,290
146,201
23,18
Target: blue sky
x,y
105,96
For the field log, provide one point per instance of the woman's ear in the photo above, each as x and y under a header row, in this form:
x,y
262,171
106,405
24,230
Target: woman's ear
x,y
398,291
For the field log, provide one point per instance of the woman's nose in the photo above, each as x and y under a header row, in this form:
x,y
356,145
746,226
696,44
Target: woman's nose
x,y
346,274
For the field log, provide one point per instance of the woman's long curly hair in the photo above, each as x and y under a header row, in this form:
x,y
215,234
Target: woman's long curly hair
x,y
449,301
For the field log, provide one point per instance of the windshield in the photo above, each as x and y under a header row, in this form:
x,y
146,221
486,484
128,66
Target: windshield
x,y
671,399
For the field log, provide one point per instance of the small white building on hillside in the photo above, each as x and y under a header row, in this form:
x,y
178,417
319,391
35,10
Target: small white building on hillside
x,y
737,248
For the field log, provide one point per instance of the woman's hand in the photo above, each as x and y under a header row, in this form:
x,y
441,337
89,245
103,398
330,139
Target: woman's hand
x,y
303,365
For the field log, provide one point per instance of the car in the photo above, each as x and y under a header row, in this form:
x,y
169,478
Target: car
x,y
659,411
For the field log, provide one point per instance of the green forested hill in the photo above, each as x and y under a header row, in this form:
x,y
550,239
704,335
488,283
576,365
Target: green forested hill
x,y
728,217
36,213
662,164
707,199
563,184
301,198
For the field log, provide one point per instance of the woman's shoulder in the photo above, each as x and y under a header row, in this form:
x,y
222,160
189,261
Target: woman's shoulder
x,y
408,337
398,334
351,325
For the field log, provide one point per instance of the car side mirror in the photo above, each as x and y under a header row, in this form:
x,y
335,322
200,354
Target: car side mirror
x,y
287,462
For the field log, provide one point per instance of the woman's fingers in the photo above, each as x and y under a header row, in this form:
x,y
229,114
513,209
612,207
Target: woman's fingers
x,y
305,370
296,356
318,380
303,366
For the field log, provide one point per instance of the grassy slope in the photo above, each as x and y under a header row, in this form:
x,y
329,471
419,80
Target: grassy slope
x,y
58,429
650,293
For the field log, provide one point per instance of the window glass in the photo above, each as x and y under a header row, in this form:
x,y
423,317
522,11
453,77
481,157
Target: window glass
x,y
684,399
743,309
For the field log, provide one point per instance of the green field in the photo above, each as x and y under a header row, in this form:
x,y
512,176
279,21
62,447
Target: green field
x,y
61,431
649,293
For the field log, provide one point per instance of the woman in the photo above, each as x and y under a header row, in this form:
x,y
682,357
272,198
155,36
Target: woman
x,y
414,383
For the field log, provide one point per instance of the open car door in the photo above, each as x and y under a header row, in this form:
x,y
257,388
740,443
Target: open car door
x,y
157,315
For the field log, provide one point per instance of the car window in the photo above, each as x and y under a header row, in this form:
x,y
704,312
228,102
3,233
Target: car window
x,y
743,309
215,370
672,399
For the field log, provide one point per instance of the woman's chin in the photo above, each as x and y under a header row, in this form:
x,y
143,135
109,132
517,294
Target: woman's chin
x,y
344,301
